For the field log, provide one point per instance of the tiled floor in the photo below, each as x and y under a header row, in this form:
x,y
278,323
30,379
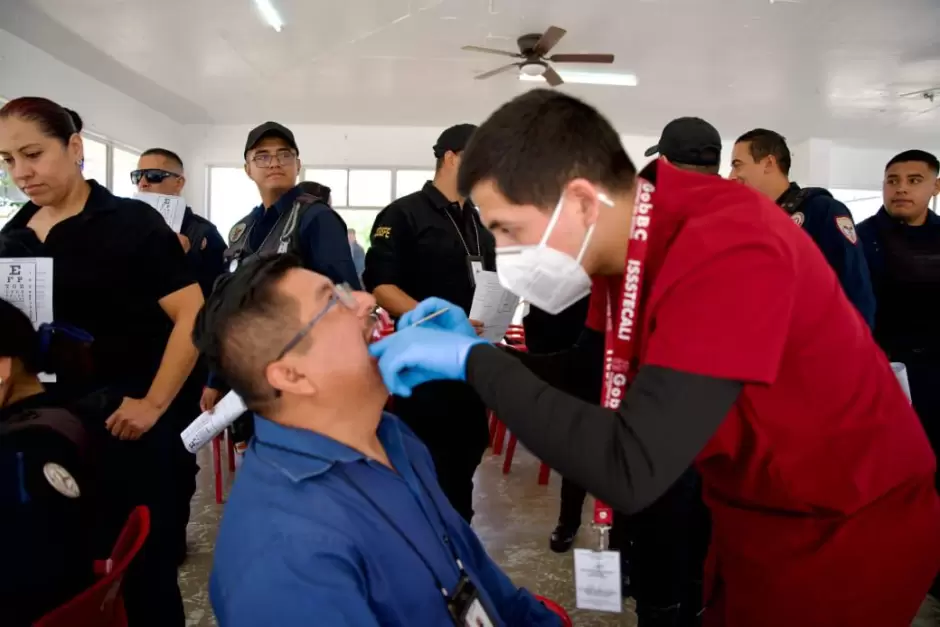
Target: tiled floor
x,y
514,518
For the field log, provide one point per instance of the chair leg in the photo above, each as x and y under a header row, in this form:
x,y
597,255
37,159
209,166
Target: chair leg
x,y
492,422
499,437
544,472
217,468
231,451
510,451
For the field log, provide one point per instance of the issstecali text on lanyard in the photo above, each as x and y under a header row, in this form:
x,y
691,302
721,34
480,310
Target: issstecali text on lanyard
x,y
623,322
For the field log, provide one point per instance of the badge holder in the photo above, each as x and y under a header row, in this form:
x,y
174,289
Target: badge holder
x,y
475,267
597,580
465,606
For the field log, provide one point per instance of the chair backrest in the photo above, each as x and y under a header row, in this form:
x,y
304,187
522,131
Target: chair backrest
x,y
101,605
565,619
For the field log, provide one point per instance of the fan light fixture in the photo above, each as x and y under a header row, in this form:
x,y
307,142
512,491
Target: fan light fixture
x,y
270,14
587,78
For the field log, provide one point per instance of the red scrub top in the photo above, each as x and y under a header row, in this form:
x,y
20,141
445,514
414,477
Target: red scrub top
x,y
820,480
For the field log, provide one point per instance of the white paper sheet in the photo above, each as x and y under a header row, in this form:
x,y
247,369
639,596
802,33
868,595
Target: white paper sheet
x,y
210,424
493,305
172,208
27,284
597,580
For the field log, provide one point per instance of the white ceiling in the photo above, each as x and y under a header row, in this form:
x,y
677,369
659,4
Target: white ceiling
x,y
830,68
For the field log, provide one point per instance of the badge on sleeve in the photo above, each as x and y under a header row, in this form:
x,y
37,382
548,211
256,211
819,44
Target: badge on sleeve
x,y
847,228
798,218
236,233
60,479
383,232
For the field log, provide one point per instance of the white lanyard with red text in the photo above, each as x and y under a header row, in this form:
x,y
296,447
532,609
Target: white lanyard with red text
x,y
620,341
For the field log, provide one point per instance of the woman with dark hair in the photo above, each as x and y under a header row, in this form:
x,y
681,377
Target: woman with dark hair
x,y
119,274
47,482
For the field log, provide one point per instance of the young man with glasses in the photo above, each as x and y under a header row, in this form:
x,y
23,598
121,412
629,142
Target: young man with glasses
x,y
337,517
289,219
160,171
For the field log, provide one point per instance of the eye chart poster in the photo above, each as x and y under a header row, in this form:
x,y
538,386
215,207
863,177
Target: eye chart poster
x,y
27,284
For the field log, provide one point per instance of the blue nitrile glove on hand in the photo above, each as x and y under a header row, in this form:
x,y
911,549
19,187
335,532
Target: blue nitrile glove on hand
x,y
417,355
454,319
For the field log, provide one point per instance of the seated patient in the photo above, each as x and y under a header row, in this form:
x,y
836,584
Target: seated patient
x,y
336,517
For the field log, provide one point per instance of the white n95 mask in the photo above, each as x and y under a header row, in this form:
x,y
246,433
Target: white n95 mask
x,y
543,276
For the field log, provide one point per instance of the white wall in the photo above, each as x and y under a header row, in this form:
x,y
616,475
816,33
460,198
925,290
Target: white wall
x,y
28,71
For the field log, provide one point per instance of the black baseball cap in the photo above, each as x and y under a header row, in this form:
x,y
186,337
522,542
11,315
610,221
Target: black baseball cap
x,y
270,129
453,139
691,141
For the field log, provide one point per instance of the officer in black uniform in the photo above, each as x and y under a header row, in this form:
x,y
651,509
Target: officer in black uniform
x,y
761,159
291,218
430,243
160,171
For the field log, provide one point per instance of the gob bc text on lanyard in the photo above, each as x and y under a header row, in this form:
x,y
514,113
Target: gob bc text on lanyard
x,y
623,326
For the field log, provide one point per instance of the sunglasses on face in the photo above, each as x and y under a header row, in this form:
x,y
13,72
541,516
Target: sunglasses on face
x,y
152,176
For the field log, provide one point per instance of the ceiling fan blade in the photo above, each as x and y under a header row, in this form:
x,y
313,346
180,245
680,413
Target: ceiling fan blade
x,y
498,70
492,51
548,41
581,58
552,77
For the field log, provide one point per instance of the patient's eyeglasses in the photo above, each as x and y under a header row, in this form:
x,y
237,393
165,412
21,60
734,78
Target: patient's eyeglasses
x,y
343,295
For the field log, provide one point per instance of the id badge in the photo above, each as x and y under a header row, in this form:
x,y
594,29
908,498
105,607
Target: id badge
x,y
597,580
475,264
465,606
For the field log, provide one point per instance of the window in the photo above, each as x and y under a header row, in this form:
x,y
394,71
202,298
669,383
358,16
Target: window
x,y
863,203
370,188
231,196
96,160
11,198
410,181
123,162
361,220
336,180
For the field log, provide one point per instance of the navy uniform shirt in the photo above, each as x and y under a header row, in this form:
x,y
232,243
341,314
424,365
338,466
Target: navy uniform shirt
x,y
322,236
301,545
831,226
421,243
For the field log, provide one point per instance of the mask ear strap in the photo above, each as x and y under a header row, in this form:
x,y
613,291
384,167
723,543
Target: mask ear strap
x,y
553,221
601,196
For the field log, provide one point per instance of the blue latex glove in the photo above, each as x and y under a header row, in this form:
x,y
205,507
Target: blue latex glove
x,y
417,355
454,319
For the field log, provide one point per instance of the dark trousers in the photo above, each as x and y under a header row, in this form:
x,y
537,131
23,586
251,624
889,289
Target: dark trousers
x,y
450,419
924,379
158,472
664,547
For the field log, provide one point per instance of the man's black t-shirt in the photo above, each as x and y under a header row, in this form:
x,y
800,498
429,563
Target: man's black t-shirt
x,y
112,264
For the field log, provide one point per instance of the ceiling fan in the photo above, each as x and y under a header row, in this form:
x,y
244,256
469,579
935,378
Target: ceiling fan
x,y
533,49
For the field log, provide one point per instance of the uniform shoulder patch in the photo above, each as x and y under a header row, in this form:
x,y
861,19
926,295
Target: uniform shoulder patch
x,y
236,233
798,218
847,228
62,480
383,232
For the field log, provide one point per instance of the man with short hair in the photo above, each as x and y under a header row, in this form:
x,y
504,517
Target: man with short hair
x,y
728,345
761,160
289,219
358,254
431,243
336,517
160,171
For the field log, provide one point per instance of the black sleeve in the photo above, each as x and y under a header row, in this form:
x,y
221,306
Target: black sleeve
x,y
578,370
326,246
390,239
627,458
208,263
159,260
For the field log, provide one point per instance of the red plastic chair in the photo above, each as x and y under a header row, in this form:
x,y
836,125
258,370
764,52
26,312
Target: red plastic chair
x,y
102,605
515,337
225,436
565,619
